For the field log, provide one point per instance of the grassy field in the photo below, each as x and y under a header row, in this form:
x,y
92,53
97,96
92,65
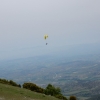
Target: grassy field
x,y
8,92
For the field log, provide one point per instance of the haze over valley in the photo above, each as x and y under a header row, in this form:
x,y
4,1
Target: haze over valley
x,y
75,71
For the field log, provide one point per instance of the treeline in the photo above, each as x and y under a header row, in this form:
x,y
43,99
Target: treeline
x,y
9,82
49,90
33,87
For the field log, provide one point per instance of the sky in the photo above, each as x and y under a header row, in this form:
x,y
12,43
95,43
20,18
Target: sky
x,y
23,24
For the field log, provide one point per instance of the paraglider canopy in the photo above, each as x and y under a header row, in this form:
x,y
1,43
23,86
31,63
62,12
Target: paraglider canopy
x,y
45,37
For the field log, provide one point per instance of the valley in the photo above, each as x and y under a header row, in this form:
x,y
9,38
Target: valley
x,y
77,76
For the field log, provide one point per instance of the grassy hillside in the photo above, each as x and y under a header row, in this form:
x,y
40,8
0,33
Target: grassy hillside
x,y
8,92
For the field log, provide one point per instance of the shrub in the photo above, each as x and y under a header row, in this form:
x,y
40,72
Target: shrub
x,y
72,98
33,87
4,81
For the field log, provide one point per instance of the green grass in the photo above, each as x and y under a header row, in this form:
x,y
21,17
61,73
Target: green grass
x,y
8,92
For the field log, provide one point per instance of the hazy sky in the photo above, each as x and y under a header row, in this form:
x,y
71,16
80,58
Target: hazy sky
x,y
23,24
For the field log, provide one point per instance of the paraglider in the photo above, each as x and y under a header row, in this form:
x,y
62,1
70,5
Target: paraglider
x,y
45,37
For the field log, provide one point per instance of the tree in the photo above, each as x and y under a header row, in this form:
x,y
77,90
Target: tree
x,y
51,90
72,98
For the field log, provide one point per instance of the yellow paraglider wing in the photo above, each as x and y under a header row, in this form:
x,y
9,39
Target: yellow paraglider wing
x,y
45,37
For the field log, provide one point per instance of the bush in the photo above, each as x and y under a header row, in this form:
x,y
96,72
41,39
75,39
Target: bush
x,y
4,81
53,91
60,96
72,98
33,87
